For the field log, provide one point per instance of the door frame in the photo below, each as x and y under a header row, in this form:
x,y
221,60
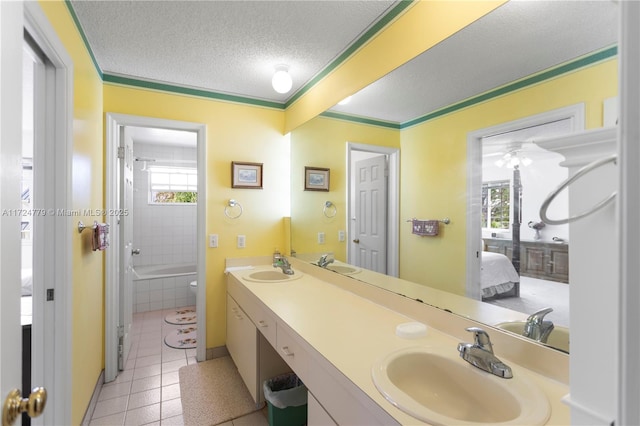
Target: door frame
x,y
474,180
393,202
113,122
55,326
52,343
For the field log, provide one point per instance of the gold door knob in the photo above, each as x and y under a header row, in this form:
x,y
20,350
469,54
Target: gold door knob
x,y
357,241
14,405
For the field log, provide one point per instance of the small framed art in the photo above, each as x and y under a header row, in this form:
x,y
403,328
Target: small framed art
x,y
316,179
246,175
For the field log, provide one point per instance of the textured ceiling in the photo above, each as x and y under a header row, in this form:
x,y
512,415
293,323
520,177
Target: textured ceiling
x,y
516,40
231,47
228,47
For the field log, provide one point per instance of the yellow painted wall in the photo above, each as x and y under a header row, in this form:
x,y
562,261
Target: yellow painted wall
x,y
87,188
322,142
433,165
424,24
234,133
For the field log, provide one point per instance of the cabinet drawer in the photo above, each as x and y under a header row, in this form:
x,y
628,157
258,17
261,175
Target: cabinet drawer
x,y
266,323
291,350
316,415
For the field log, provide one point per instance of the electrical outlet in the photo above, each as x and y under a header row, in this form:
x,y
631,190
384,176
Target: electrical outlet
x,y
320,237
213,240
340,235
241,241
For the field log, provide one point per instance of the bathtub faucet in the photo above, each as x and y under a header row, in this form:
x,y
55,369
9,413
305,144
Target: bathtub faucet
x,y
279,261
536,328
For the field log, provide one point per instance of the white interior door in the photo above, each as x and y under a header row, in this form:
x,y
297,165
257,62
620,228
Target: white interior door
x,y
10,175
125,209
370,220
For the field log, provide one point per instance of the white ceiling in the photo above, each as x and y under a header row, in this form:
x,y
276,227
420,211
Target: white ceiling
x,y
231,47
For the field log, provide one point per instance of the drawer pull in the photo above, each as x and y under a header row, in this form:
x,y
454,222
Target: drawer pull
x,y
263,324
286,351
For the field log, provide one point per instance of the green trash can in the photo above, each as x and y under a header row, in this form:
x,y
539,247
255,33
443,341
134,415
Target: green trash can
x,y
286,397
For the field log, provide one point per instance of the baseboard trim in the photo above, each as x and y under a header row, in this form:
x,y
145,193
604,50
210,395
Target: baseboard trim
x,y
217,352
94,400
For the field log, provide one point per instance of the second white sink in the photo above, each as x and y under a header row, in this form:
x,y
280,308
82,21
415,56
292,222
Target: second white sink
x,y
559,337
436,386
344,269
271,276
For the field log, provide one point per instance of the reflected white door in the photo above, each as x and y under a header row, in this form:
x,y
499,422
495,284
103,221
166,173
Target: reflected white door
x,y
125,213
370,230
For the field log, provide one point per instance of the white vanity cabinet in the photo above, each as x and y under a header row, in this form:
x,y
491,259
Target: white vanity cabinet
x,y
316,415
252,352
242,343
334,399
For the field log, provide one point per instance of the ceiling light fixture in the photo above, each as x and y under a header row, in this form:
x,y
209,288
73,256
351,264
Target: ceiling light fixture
x,y
513,159
281,80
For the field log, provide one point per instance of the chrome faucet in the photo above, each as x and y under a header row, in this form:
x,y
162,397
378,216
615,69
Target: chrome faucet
x,y
536,328
324,261
279,261
480,354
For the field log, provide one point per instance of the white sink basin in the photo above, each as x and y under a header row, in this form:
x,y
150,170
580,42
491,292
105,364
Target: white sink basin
x,y
436,386
559,337
271,276
344,269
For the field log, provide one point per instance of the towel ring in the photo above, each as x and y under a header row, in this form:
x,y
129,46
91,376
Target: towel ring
x,y
329,204
586,169
232,204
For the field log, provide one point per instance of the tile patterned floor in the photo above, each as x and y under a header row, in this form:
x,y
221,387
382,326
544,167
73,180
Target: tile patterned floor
x,y
147,392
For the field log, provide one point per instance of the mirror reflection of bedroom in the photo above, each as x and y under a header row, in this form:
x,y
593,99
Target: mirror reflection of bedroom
x,y
525,262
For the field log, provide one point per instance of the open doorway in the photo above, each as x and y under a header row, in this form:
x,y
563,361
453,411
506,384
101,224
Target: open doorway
x,y
166,181
390,157
509,247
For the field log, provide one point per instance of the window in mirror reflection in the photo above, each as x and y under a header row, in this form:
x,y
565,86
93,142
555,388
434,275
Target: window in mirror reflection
x,y
496,204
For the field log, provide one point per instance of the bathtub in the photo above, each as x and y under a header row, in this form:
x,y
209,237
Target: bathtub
x,y
163,286
151,272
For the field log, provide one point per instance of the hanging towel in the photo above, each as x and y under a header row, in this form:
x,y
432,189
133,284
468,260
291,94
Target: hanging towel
x,y
425,227
100,236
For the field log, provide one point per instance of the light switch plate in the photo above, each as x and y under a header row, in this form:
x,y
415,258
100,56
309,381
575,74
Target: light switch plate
x,y
320,237
341,236
213,240
241,241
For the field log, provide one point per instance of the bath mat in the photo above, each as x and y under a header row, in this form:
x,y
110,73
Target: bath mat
x,y
182,316
182,338
212,392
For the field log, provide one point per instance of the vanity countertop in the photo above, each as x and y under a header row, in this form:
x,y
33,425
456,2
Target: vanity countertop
x,y
352,333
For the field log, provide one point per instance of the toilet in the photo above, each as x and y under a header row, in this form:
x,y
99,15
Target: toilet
x,y
193,286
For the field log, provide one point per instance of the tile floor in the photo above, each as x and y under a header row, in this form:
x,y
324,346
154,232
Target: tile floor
x,y
147,392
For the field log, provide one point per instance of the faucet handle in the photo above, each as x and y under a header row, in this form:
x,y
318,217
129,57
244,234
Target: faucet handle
x,y
538,316
481,338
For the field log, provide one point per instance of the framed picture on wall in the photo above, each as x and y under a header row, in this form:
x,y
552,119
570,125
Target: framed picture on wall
x,y
246,175
316,179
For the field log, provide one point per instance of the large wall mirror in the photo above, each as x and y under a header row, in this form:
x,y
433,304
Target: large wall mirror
x,y
524,72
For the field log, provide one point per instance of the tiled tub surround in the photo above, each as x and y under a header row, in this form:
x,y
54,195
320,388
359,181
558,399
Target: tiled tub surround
x,y
165,234
163,293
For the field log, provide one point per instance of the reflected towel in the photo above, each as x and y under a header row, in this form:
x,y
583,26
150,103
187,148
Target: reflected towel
x,y
425,227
